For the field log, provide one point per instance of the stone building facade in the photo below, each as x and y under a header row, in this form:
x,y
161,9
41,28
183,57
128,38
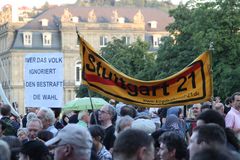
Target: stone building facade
x,y
55,31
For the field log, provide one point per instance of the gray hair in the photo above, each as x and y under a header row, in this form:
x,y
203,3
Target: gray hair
x,y
123,122
4,151
81,114
49,114
31,115
22,130
35,120
84,153
111,110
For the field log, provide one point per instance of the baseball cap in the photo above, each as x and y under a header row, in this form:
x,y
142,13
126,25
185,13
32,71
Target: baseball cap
x,y
145,125
72,134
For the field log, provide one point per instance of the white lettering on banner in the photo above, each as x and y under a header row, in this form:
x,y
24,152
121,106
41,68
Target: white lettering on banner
x,y
43,80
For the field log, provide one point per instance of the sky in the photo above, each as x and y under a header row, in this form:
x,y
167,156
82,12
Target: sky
x,y
37,3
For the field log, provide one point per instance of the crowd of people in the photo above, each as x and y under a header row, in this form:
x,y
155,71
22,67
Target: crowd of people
x,y
206,131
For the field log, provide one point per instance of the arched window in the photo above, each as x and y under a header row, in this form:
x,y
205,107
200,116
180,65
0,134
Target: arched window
x,y
78,74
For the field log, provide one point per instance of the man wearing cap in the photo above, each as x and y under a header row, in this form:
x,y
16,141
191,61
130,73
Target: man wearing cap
x,y
73,142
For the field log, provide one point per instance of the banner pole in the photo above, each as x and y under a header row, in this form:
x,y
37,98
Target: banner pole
x,y
94,116
211,49
185,111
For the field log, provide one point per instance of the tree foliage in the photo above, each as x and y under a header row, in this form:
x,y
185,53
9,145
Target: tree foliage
x,y
131,59
197,25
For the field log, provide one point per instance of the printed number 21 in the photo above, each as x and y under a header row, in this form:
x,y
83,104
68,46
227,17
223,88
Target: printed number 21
x,y
181,88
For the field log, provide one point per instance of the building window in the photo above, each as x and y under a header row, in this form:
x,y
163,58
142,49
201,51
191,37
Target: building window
x,y
126,39
103,41
47,39
78,74
27,38
156,41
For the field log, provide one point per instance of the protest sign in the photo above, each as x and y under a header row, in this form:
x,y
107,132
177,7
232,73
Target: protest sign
x,y
43,80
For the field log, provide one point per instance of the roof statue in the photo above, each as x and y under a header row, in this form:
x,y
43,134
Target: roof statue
x,y
67,16
92,16
114,16
138,17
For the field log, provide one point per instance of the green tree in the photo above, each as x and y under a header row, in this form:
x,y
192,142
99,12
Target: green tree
x,y
131,59
197,25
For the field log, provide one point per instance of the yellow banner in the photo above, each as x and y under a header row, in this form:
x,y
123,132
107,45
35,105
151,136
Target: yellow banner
x,y
191,85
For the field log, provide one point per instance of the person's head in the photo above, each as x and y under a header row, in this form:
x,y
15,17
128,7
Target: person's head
x,y
46,115
71,143
133,144
173,123
214,153
236,100
219,107
112,102
34,150
97,133
6,110
172,146
94,118
228,101
22,134
4,150
65,119
34,126
196,109
106,114
84,116
177,110
206,106
205,136
211,116
128,110
124,123
14,146
145,125
31,115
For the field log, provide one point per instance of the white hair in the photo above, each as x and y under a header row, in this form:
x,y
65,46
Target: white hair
x,y
35,120
31,115
81,114
49,114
